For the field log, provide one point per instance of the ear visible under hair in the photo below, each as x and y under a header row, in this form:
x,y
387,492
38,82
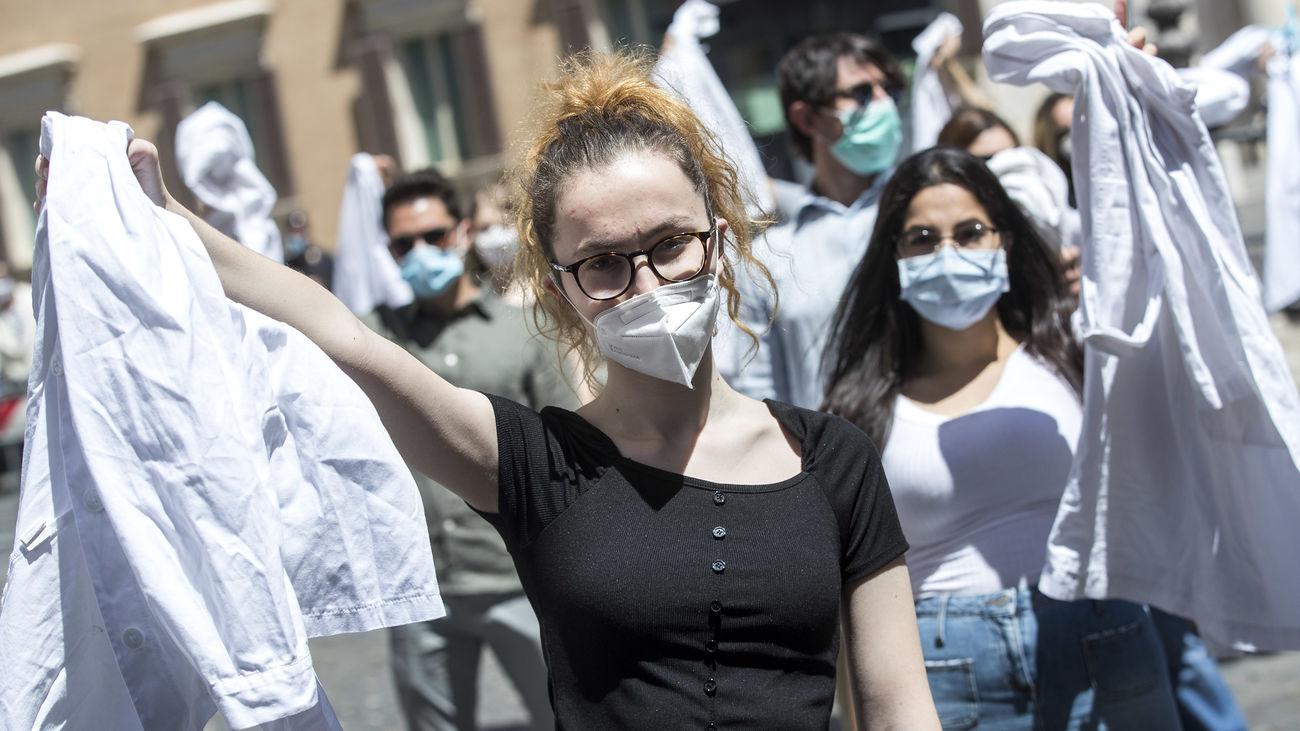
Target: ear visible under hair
x,y
800,114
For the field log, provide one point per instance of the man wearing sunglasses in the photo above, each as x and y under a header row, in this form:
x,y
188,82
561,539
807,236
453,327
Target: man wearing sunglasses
x,y
840,93
470,336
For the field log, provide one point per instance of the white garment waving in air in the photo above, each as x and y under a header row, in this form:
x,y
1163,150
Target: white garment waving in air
x,y
1239,57
202,488
1185,490
1282,193
684,68
931,103
365,275
215,154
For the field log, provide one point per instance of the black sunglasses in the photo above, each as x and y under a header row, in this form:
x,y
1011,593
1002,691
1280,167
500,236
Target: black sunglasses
x,y
400,246
865,93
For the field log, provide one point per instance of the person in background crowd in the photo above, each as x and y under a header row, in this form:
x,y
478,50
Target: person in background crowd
x,y
1204,699
494,241
302,254
840,93
1031,179
17,332
466,334
1052,132
953,351
979,132
17,339
692,553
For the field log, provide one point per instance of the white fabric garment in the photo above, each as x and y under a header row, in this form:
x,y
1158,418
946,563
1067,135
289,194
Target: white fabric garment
x,y
1038,185
684,68
1220,95
1282,185
365,275
977,493
1185,490
202,488
215,155
1238,56
931,104
1240,52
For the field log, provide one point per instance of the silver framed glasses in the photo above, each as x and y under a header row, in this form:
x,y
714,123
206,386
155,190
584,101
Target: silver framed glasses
x,y
923,241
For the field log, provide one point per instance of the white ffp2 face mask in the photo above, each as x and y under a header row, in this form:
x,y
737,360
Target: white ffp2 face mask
x,y
662,333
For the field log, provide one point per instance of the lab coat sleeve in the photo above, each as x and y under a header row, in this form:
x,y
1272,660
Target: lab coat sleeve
x,y
365,275
931,106
1282,185
684,68
1220,95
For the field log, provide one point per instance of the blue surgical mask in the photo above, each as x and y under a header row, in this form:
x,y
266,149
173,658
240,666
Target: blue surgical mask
x,y
954,288
873,135
430,270
295,245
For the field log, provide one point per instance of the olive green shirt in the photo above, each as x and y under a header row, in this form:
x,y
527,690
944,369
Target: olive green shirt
x,y
485,347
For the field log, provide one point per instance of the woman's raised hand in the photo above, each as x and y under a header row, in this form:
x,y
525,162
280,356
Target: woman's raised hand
x,y
142,155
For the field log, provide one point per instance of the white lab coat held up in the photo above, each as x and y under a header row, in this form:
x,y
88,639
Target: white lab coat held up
x,y
216,159
202,488
1282,191
932,105
684,68
1185,491
365,275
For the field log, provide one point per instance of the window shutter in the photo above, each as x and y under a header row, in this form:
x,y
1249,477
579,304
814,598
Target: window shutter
x,y
571,22
372,110
172,100
271,146
475,88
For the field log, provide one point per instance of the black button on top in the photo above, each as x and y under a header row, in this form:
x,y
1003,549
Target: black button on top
x,y
715,607
719,532
711,646
719,497
719,566
710,686
713,726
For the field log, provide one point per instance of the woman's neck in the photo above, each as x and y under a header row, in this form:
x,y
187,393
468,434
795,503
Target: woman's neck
x,y
638,406
959,351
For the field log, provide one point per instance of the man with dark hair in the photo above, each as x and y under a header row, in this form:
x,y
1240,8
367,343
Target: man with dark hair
x,y
840,94
472,338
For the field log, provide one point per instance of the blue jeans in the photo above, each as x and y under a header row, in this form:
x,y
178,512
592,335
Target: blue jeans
x,y
1205,701
1019,660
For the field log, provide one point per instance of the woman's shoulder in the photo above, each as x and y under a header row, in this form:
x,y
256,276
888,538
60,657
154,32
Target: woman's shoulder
x,y
826,439
564,432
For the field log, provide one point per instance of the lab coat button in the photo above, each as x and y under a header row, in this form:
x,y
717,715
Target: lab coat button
x,y
133,638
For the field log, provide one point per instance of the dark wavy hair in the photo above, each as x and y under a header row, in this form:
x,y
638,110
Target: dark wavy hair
x,y
875,340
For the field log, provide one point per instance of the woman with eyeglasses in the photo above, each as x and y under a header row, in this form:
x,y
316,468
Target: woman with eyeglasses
x,y
952,350
691,553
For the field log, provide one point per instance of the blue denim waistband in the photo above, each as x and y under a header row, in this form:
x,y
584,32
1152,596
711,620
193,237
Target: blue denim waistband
x,y
1005,603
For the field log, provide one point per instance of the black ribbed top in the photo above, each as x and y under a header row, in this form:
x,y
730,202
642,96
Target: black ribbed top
x,y
671,602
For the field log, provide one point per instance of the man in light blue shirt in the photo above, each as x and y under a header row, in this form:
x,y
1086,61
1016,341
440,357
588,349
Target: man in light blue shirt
x,y
839,92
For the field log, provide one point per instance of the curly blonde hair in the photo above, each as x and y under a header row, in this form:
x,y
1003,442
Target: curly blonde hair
x,y
602,106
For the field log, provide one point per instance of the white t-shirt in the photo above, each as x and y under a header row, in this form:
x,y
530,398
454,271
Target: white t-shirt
x,y
977,493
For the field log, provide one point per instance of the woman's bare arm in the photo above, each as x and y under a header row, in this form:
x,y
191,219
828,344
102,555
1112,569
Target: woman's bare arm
x,y
443,431
884,650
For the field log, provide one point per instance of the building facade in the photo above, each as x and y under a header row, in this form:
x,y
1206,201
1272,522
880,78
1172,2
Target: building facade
x,y
442,82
